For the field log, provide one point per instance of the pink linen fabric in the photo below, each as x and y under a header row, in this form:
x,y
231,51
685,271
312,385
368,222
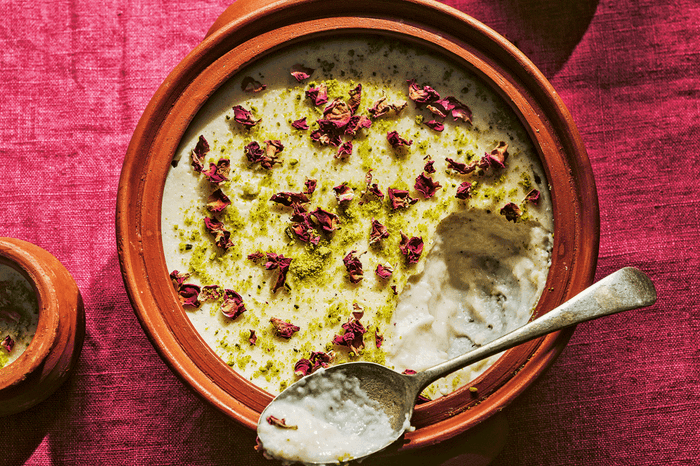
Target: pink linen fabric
x,y
75,76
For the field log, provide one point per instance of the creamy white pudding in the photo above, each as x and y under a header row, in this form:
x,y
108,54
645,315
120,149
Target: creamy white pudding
x,y
19,314
402,219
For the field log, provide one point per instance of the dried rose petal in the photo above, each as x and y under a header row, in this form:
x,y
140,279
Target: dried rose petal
x,y
188,294
280,262
328,221
256,256
497,157
381,107
374,189
221,235
464,191
318,94
353,336
421,95
356,123
8,343
302,367
399,198
426,185
253,338
336,115
343,193
300,124
378,232
353,266
300,72
436,110
355,98
435,125
397,141
303,227
411,248
218,201
233,305
409,372
428,168
198,153
384,272
273,421
178,278
288,198
533,196
459,167
344,150
210,292
511,211
317,360
378,339
218,173
310,187
284,329
244,117
248,84
459,110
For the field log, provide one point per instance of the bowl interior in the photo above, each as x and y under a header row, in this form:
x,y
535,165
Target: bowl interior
x,y
442,30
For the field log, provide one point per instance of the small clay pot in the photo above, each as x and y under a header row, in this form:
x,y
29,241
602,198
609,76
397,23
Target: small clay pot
x,y
50,357
249,30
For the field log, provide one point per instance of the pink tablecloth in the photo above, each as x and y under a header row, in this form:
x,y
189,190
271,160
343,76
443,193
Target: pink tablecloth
x,y
75,76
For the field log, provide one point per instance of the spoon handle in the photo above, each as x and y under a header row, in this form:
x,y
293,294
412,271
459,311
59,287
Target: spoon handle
x,y
626,289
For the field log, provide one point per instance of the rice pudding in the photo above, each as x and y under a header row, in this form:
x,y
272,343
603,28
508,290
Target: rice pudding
x,y
19,314
356,199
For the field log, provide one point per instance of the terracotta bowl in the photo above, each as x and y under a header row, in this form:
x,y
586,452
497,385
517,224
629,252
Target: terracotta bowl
x,y
250,30
53,352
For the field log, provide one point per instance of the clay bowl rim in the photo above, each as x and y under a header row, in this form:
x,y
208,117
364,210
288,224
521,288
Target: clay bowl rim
x,y
166,119
13,253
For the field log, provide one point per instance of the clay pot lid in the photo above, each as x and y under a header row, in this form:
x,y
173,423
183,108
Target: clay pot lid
x,y
234,42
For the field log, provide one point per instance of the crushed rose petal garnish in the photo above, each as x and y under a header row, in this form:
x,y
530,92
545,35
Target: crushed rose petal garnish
x,y
464,191
377,232
343,193
399,198
218,201
8,343
301,72
327,220
218,173
384,271
249,84
396,140
411,248
275,261
426,185
459,167
435,125
188,294
253,338
511,212
318,95
300,124
232,306
353,266
284,329
198,153
222,237
244,117
273,421
533,196
353,336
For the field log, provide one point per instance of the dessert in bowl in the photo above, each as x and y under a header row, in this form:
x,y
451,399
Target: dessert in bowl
x,y
258,241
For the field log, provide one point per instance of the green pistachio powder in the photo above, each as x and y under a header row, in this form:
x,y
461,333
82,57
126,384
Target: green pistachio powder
x,y
318,296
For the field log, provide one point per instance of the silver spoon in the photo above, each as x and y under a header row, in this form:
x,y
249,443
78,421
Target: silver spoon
x,y
396,393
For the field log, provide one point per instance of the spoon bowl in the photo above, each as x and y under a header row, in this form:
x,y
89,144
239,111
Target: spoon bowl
x,y
376,387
